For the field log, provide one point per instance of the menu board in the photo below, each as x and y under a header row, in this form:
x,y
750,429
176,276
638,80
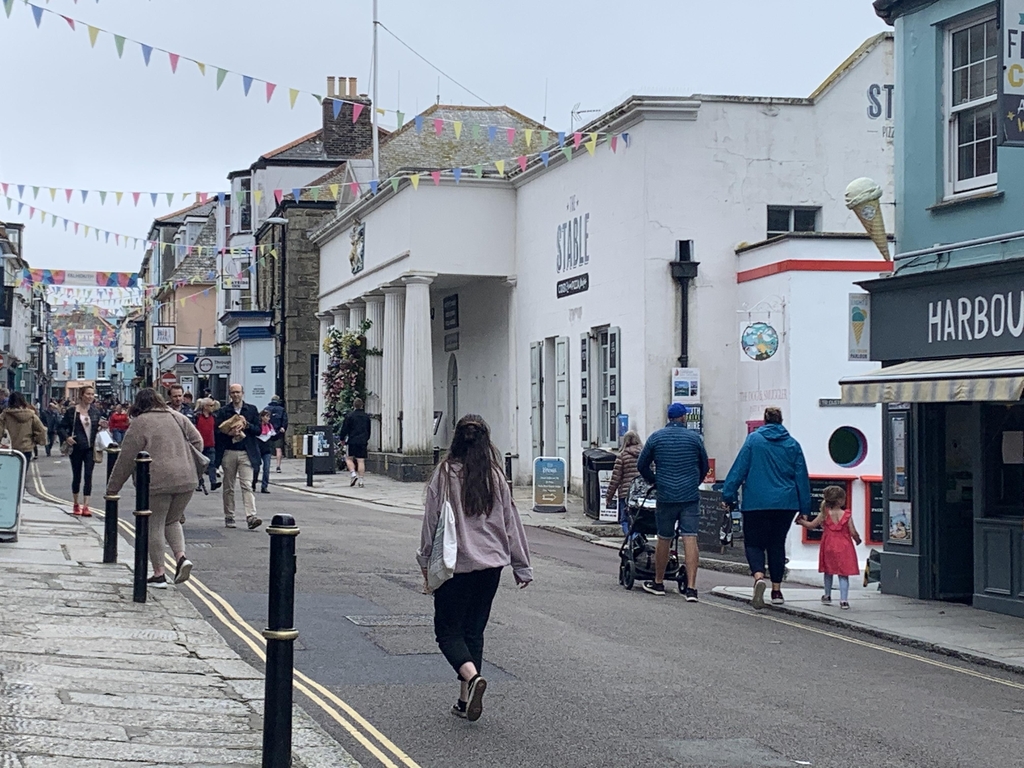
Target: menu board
x,y
818,486
876,513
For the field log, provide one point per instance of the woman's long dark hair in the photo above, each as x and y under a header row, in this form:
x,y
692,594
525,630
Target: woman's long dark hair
x,y
478,465
148,399
17,400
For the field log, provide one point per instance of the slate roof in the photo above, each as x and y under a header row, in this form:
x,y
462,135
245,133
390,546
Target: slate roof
x,y
196,209
308,147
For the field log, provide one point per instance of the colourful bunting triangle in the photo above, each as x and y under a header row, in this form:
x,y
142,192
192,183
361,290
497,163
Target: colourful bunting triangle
x,y
170,198
394,185
173,57
118,196
336,107
103,197
202,68
458,129
521,160
529,136
438,126
436,176
567,151
70,21
400,116
93,34
292,95
357,110
221,74
478,169
314,192
147,51
334,191
270,91
545,137
119,44
246,84
37,12
8,5
500,165
457,174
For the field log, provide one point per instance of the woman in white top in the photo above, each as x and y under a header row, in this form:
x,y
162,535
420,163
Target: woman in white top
x,y
490,536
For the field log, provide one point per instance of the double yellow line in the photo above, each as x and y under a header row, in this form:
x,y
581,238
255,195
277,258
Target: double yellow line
x,y
364,732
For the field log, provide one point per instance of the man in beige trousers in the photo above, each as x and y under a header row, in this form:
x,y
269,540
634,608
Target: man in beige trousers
x,y
239,454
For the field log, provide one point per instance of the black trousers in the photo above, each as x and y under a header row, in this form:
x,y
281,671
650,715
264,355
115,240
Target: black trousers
x,y
81,462
462,606
765,530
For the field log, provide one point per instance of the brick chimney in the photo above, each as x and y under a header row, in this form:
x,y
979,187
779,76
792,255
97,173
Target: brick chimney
x,y
343,138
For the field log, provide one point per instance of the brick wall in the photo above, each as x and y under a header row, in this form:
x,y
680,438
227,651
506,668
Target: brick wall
x,y
342,138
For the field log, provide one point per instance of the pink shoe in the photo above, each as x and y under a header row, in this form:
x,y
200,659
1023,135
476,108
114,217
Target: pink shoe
x,y
86,512
78,510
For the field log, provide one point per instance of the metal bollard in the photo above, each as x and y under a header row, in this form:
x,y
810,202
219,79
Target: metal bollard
x,y
110,511
280,635
142,513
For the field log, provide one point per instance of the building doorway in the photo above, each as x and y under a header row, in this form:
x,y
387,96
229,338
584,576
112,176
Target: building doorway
x,y
952,539
549,397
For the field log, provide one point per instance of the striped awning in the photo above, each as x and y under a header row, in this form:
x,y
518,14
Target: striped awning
x,y
963,380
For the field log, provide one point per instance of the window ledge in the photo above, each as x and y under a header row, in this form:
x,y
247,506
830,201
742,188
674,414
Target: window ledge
x,y
969,199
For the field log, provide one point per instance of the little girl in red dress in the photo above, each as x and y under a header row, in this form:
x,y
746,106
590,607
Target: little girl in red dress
x,y
837,555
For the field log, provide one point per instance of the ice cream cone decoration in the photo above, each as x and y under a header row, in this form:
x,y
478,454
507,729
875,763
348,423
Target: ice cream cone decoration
x,y
858,317
863,197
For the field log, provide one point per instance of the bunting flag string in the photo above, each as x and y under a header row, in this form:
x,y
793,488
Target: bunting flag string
x,y
589,141
356,108
76,226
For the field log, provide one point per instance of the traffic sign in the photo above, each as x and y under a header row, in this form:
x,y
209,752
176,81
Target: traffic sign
x,y
185,357
168,378
208,365
3,361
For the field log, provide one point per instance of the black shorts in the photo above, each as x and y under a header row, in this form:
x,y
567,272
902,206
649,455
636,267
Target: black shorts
x,y
357,450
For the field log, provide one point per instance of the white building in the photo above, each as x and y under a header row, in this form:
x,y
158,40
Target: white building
x,y
545,301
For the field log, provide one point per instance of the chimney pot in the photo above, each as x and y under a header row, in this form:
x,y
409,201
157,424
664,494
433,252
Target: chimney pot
x,y
330,86
352,87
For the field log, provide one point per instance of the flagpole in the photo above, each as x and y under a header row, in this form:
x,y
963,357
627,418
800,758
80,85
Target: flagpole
x,y
376,134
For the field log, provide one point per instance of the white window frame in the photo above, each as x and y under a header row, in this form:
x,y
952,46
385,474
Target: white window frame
x,y
79,371
101,369
953,187
792,218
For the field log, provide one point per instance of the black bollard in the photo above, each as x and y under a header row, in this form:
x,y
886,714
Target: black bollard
x,y
280,635
110,511
142,463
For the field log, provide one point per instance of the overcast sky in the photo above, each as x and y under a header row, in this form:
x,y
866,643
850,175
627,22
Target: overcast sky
x,y
81,118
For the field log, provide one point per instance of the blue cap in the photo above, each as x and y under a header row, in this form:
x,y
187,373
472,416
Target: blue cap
x,y
677,411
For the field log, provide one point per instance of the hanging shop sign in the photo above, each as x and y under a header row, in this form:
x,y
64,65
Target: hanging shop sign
x,y
758,341
451,342
163,335
450,310
1011,85
7,306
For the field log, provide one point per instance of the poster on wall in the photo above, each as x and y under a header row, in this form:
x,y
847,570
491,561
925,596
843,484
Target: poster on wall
x,y
898,434
1011,85
859,330
759,341
609,513
901,523
686,385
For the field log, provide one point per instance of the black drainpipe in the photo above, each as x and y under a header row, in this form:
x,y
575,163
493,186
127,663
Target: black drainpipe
x,y
684,269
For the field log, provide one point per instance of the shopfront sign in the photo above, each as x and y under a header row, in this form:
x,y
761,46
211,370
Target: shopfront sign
x,y
572,285
450,309
859,330
958,313
7,306
1011,88
572,242
549,477
686,385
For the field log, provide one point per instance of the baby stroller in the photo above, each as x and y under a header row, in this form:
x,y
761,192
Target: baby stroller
x,y
636,555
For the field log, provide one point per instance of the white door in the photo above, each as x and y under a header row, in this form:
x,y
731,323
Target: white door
x,y
562,398
536,398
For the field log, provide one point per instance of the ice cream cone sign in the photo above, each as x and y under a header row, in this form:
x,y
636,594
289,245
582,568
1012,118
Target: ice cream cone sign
x,y
863,197
858,317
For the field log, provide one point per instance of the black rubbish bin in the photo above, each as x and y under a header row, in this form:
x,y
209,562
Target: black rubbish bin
x,y
595,460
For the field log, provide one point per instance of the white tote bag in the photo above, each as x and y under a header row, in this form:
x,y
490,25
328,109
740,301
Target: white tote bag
x,y
441,565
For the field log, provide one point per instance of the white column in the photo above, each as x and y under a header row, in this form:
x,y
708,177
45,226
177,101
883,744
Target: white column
x,y
374,361
340,318
326,320
356,315
391,368
417,368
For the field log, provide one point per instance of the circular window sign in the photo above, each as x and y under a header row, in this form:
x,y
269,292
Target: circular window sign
x,y
848,447
759,341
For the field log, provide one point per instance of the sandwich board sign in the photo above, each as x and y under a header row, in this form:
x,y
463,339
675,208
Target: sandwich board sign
x,y
12,485
549,477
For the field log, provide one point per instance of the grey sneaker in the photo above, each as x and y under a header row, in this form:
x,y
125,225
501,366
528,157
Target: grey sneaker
x,y
182,570
229,522
475,705
759,587
253,522
360,483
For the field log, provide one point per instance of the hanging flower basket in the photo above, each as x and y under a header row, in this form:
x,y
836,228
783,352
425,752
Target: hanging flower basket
x,y
345,377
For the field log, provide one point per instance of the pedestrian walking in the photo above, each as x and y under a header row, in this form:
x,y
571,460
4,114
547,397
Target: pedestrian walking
x,y
623,474
356,431
837,555
51,418
180,401
24,427
206,424
78,431
772,471
279,418
680,465
118,423
490,536
266,446
168,437
238,426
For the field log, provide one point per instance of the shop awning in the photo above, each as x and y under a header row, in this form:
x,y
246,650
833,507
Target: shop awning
x,y
963,380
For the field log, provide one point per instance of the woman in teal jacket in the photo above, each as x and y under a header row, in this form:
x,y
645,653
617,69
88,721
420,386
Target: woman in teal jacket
x,y
771,468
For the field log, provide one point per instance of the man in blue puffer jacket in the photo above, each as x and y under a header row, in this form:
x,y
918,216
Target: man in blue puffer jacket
x,y
771,468
680,465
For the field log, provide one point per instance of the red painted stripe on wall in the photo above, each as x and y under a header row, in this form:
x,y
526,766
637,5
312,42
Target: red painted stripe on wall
x,y
812,265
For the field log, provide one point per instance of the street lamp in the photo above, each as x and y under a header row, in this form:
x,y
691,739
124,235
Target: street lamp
x,y
283,223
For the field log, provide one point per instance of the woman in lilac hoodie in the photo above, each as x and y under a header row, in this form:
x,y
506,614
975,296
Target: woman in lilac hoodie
x,y
490,536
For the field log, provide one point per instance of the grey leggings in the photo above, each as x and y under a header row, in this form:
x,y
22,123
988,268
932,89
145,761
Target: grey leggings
x,y
844,587
165,523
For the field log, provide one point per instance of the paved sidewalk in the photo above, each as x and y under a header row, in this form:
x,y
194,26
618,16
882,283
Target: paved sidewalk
x,y
90,679
951,629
